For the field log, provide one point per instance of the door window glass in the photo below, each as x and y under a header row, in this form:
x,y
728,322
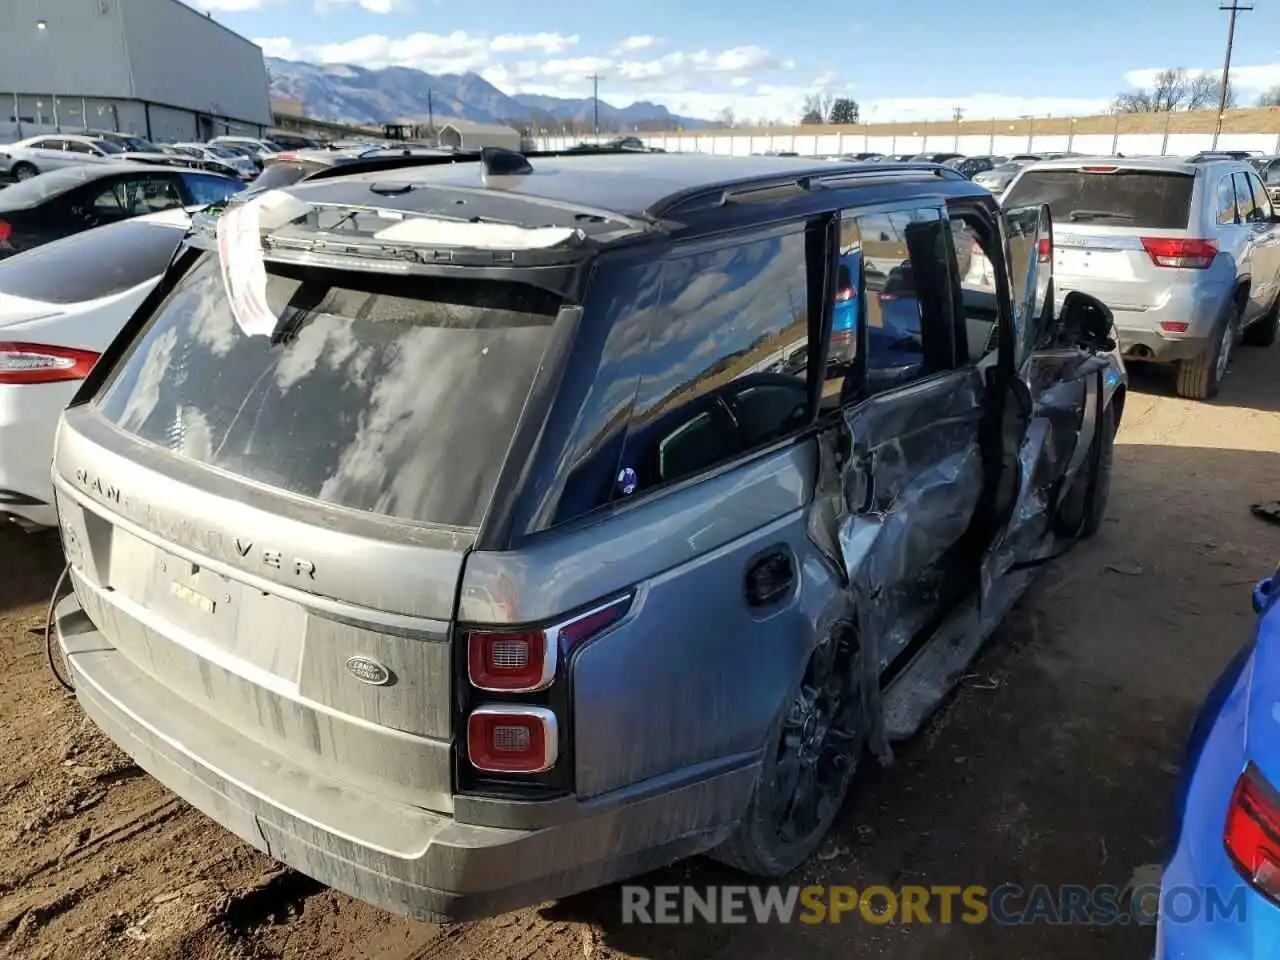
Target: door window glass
x,y
76,146
906,304
727,362
1244,199
1225,201
210,189
134,196
1261,200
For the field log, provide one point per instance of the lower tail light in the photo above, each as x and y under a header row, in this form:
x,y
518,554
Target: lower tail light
x,y
22,363
1180,253
844,294
5,230
510,738
525,661
1174,326
1253,833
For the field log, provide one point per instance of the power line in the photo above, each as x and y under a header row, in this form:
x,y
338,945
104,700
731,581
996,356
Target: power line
x,y
1235,7
958,113
595,79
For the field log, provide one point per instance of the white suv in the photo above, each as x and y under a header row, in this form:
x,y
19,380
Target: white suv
x,y
1185,253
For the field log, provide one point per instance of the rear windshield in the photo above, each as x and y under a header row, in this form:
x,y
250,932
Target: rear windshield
x,y
1151,199
278,175
30,193
91,264
398,396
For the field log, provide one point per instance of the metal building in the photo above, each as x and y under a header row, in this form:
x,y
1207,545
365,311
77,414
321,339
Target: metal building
x,y
153,68
467,135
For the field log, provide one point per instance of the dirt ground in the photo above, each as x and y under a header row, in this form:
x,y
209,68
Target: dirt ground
x,y
1054,762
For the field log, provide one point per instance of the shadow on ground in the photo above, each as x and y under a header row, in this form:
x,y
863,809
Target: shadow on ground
x,y
1251,383
32,568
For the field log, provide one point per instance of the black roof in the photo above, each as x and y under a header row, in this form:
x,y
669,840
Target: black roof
x,y
631,185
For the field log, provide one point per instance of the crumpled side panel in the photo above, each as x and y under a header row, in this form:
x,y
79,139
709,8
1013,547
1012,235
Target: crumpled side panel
x,y
914,458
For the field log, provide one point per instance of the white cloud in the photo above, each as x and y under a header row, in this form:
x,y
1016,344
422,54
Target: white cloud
x,y
281,47
633,44
582,67
1256,78
532,43
373,6
740,82
227,6
455,52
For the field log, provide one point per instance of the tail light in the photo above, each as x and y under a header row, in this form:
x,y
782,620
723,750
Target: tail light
x,y
1180,253
1253,833
5,230
1174,326
1043,249
1099,169
509,738
40,363
515,736
525,661
844,294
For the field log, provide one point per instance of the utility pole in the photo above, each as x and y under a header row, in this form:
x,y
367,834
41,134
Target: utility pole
x,y
431,113
595,79
958,113
1235,7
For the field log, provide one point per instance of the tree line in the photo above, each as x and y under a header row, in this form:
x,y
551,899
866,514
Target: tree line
x,y
1179,89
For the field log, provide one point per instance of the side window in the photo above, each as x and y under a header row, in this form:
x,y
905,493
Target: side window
x,y
906,308
47,144
206,190
726,370
134,196
978,299
1261,199
1225,201
1244,199
1273,173
75,146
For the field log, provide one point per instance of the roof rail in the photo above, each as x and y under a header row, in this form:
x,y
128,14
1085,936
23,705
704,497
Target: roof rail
x,y
765,191
398,161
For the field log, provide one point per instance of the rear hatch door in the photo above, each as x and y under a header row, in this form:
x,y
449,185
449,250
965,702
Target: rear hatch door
x,y
272,521
1102,214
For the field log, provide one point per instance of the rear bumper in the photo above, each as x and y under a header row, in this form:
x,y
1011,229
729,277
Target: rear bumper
x,y
1197,304
28,422
399,857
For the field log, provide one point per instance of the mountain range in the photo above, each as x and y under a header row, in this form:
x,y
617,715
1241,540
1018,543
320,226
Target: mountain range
x,y
358,95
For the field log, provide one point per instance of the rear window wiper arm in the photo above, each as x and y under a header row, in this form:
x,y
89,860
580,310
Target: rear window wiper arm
x,y
1098,215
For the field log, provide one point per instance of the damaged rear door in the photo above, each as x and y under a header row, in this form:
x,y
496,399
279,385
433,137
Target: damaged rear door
x,y
905,469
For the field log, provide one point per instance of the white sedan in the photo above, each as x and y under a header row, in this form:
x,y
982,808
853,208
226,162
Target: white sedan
x,y
61,305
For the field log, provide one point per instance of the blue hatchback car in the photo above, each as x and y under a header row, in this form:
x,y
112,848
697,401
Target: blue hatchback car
x,y
1220,893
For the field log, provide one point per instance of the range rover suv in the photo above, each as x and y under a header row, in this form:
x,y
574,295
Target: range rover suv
x,y
473,534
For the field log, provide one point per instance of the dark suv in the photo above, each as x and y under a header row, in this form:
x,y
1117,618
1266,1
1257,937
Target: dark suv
x,y
470,535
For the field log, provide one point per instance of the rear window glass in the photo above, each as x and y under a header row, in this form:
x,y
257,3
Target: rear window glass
x,y
30,193
92,264
278,175
1135,198
364,397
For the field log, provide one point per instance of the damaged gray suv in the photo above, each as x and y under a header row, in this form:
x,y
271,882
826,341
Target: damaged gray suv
x,y
466,536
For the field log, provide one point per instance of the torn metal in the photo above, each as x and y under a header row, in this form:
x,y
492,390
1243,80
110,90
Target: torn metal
x,y
899,483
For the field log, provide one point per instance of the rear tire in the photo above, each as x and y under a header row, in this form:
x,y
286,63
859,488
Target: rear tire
x,y
1070,517
24,171
1200,378
809,764
1263,332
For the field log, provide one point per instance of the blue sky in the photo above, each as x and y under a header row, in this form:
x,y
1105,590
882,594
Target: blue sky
x,y
900,60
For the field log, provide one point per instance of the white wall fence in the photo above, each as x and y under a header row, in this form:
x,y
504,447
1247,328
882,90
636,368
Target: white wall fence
x,y
1130,144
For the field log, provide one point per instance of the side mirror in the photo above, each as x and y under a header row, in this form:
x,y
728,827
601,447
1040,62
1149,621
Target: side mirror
x,y
1087,322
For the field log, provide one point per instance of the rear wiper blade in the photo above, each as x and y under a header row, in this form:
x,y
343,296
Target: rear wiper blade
x,y
1098,215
